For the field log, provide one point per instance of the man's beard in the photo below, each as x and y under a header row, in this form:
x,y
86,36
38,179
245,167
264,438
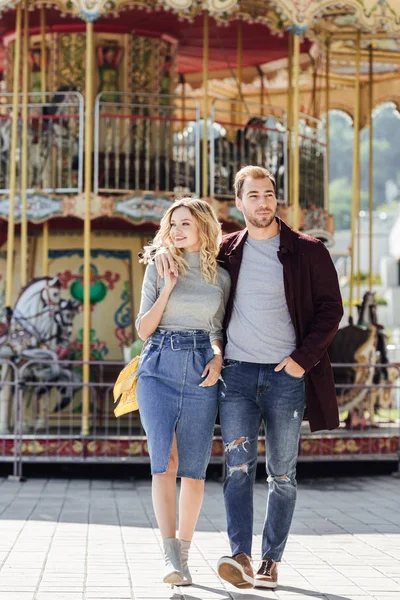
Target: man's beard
x,y
261,222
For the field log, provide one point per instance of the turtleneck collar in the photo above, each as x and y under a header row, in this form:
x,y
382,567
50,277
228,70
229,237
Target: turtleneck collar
x,y
192,258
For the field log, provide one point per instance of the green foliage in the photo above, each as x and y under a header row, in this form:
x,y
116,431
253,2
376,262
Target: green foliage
x,y
376,279
386,157
340,197
340,202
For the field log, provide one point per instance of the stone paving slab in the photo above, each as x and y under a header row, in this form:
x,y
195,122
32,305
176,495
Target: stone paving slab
x,y
96,540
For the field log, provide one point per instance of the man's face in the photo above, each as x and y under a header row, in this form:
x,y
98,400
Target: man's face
x,y
258,202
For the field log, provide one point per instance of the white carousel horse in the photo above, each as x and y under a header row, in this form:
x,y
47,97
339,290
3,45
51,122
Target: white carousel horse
x,y
38,329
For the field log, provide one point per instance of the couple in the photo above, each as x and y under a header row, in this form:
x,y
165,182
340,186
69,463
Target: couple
x,y
256,311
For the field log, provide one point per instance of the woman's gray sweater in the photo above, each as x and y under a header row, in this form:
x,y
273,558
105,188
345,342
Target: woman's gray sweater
x,y
193,303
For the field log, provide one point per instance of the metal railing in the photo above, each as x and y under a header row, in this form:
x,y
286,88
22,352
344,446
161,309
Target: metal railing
x,y
312,148
55,142
146,142
244,134
41,420
370,417
152,142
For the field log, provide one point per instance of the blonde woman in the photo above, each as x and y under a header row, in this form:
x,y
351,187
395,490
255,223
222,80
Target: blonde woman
x,y
181,318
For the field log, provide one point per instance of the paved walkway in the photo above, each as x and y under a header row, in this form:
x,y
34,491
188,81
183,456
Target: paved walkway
x,y
80,539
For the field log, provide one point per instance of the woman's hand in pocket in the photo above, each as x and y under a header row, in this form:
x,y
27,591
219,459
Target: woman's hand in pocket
x,y
212,371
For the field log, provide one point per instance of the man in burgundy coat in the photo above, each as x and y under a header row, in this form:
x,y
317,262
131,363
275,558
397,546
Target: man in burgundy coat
x,y
284,309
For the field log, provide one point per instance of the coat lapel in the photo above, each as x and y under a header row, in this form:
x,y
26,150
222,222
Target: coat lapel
x,y
285,255
235,255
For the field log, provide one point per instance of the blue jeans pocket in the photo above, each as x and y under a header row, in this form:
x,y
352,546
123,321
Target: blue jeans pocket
x,y
229,362
293,376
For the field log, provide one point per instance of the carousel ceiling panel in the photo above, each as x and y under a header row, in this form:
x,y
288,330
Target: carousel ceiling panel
x,y
370,15
259,45
386,56
346,68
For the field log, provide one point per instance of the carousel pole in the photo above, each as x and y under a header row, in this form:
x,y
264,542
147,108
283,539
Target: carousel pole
x,y
356,172
183,103
205,105
240,59
295,123
290,118
87,226
327,122
371,162
262,90
45,238
24,152
13,172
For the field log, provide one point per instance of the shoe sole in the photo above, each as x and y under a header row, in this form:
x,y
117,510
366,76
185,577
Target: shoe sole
x,y
173,578
260,583
235,576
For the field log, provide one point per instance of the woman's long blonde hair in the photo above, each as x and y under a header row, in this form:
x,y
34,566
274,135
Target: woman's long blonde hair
x,y
210,236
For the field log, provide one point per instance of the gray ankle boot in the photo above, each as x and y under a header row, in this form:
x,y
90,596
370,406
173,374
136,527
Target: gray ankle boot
x,y
185,547
173,567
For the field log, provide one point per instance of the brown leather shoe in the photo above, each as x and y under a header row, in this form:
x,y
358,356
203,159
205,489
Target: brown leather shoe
x,y
267,574
237,571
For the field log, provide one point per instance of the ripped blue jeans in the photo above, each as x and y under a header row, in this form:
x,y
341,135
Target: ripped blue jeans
x,y
252,393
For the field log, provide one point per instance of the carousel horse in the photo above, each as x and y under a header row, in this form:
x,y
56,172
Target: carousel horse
x,y
57,133
45,133
364,343
38,329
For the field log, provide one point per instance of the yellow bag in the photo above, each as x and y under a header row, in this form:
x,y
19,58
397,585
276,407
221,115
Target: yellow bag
x,y
125,389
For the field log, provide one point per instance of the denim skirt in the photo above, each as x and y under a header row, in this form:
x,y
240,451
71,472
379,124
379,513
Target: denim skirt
x,y
170,400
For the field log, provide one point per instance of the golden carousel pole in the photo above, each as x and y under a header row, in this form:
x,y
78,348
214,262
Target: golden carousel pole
x,y
295,123
371,162
205,105
87,226
24,152
45,240
262,90
13,172
327,122
240,59
290,118
356,171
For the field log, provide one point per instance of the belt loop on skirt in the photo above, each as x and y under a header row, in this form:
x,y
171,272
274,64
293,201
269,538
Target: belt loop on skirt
x,y
160,345
194,341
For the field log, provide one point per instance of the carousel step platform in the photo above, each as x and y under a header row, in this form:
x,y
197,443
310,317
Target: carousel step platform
x,y
131,446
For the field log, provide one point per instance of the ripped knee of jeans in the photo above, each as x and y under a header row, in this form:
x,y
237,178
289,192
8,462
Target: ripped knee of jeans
x,y
244,468
279,479
238,444
233,449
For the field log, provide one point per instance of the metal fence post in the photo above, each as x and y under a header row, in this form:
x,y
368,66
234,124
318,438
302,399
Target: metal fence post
x,y
18,418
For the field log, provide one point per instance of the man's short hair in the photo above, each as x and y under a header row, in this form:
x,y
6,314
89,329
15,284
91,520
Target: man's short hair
x,y
254,173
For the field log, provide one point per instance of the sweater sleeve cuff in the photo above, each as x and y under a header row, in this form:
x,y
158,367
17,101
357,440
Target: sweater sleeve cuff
x,y
216,336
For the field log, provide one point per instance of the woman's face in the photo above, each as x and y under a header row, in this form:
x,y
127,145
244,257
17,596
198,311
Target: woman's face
x,y
184,231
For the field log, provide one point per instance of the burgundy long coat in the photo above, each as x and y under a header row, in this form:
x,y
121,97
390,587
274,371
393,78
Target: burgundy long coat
x,y
315,306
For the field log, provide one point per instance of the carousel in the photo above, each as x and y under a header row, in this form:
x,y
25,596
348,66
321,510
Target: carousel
x,y
110,109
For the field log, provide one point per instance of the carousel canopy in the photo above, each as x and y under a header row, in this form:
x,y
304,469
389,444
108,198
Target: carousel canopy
x,y
259,46
369,15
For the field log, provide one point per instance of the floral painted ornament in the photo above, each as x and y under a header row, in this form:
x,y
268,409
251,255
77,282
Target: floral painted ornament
x,y
98,289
